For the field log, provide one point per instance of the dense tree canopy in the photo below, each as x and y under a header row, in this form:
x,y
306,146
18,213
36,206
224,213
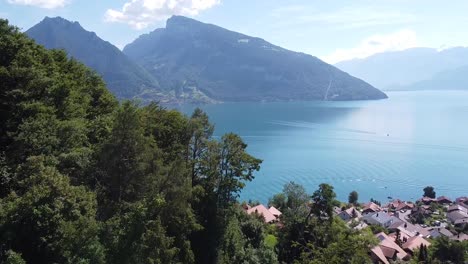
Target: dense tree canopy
x,y
353,197
429,192
84,179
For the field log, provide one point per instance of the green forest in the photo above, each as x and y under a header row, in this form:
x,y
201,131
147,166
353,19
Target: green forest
x,y
87,179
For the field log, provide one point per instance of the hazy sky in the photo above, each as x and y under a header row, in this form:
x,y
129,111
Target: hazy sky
x,y
332,30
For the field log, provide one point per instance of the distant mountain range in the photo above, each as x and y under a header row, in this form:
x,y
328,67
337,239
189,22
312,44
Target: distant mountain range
x,y
455,79
190,61
413,69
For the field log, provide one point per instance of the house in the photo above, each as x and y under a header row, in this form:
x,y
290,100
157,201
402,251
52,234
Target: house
x,y
336,210
400,205
270,215
246,206
460,237
350,213
461,200
371,207
457,216
387,250
443,200
427,200
404,234
415,243
378,256
360,226
404,206
457,207
424,210
409,229
381,219
437,232
461,222
275,212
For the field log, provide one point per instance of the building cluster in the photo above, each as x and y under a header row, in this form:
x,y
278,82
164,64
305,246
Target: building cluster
x,y
397,217
403,236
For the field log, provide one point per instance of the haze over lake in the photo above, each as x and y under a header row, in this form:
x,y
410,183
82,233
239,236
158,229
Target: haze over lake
x,y
385,148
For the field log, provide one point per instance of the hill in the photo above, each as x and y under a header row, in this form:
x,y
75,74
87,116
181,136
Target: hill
x,y
456,79
123,77
394,70
192,58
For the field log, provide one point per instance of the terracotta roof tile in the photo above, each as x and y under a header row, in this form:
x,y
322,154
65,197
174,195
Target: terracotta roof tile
x,y
262,210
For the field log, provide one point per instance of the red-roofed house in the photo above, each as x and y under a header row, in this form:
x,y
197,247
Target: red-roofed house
x,y
378,256
414,243
275,211
444,200
269,215
400,205
387,250
427,200
371,207
349,214
463,199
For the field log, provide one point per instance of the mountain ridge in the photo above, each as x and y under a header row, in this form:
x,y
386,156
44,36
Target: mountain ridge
x,y
189,61
124,78
396,69
229,66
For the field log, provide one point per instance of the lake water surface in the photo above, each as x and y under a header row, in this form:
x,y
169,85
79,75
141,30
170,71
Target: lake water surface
x,y
392,147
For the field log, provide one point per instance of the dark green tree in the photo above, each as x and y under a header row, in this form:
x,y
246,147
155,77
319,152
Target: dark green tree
x,y
14,258
323,201
243,241
235,167
225,168
52,221
429,192
126,159
353,197
200,134
448,251
138,235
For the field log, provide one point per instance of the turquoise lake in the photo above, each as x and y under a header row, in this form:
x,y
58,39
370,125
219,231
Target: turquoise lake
x,y
386,148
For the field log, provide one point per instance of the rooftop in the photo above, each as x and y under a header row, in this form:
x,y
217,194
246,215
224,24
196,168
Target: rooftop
x,y
262,210
415,242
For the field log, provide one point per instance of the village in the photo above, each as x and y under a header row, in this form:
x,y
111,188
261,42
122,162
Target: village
x,y
403,228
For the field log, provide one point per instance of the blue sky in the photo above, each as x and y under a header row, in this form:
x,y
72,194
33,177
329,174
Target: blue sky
x,y
331,30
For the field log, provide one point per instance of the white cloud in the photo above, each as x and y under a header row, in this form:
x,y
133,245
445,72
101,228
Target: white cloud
x,y
345,18
141,13
49,4
403,39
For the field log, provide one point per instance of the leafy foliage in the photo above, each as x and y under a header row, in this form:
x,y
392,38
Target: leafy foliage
x,y
429,192
315,235
353,197
449,251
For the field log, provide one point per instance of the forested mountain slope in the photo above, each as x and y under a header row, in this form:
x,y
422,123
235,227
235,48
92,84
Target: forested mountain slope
x,y
197,58
124,78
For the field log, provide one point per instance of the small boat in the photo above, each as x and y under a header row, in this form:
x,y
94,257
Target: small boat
x,y
389,197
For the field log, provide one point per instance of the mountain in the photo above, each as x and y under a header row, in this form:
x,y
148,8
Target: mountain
x,y
197,59
123,77
456,79
397,69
